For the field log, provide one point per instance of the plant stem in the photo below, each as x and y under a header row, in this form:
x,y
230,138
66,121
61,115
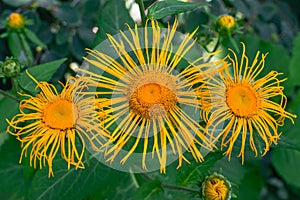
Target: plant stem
x,y
9,95
172,187
142,11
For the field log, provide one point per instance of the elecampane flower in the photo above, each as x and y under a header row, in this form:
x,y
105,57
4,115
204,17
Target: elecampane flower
x,y
148,94
244,104
52,121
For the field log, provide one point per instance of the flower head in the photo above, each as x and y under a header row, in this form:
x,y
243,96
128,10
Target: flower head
x,y
10,67
216,187
51,122
244,104
226,24
151,102
16,21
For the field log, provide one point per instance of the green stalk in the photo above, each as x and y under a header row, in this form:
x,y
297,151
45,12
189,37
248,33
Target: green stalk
x,y
142,11
9,95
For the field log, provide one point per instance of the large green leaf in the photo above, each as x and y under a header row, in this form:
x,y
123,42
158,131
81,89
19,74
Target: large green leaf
x,y
74,184
287,160
113,18
190,174
42,72
148,190
294,63
161,9
287,164
8,108
12,183
251,184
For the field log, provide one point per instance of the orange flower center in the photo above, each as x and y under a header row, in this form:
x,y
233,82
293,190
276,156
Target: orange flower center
x,y
242,100
60,114
152,100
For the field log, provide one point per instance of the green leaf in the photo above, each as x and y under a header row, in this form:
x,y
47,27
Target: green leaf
x,y
12,184
33,38
190,174
287,164
287,143
27,50
294,63
42,72
74,184
16,3
251,184
113,18
161,9
8,109
67,14
147,190
15,47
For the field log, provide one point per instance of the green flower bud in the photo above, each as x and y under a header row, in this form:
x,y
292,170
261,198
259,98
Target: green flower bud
x,y
16,21
226,24
10,67
216,187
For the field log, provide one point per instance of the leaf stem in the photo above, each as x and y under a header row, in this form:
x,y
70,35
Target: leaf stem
x,y
9,95
142,11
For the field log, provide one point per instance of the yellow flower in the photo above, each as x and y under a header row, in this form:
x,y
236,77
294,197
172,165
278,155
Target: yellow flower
x,y
244,104
16,21
52,121
216,187
226,23
148,97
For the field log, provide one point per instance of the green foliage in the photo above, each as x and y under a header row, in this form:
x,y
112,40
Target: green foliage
x,y
112,19
189,175
294,63
165,8
42,72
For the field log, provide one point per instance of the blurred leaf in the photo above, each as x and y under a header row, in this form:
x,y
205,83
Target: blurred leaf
x,y
114,17
67,14
147,190
27,50
14,44
251,184
63,35
287,164
8,109
33,38
17,3
192,173
161,9
77,47
294,66
42,72
74,184
12,184
287,143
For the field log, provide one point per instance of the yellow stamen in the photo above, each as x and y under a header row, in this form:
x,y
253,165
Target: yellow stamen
x,y
152,100
242,100
60,114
